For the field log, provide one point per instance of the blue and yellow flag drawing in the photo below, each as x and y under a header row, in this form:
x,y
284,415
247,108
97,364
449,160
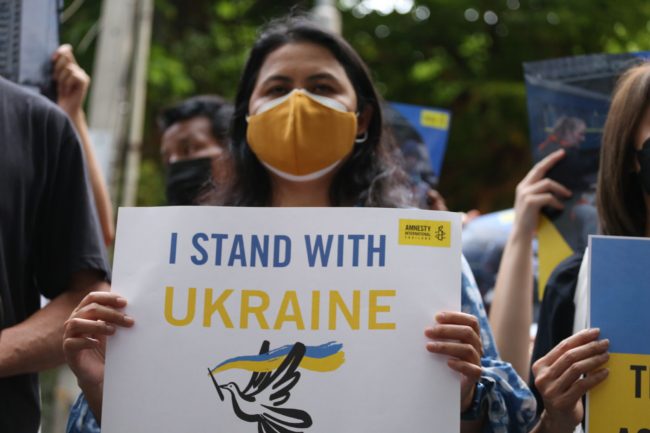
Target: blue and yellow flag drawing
x,y
323,358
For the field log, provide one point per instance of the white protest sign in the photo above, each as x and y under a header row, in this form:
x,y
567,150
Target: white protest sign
x,y
282,320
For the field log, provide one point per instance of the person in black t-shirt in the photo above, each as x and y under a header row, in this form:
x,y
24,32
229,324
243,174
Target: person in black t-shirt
x,y
72,84
50,244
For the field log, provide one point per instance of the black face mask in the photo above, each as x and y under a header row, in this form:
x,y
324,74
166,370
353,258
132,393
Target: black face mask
x,y
186,179
643,156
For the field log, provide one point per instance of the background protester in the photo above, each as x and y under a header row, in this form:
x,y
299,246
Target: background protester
x,y
561,359
194,146
72,86
511,312
342,159
50,244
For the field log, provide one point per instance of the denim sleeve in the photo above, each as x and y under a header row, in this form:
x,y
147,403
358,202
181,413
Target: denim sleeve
x,y
81,419
510,404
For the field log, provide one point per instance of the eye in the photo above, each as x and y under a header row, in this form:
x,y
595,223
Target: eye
x,y
277,91
322,89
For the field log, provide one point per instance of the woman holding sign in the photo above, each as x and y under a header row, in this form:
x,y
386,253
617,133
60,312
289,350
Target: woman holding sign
x,y
307,131
565,370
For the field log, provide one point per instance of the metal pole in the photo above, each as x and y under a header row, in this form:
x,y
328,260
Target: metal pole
x,y
139,92
327,14
108,104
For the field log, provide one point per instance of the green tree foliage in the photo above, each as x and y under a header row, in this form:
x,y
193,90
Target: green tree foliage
x,y
444,53
464,55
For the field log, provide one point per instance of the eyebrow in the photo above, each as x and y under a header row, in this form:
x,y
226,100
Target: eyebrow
x,y
315,77
322,76
282,78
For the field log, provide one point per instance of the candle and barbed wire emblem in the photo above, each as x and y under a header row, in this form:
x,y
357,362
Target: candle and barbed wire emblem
x,y
440,233
274,374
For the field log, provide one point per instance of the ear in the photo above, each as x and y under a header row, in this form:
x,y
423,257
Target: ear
x,y
363,121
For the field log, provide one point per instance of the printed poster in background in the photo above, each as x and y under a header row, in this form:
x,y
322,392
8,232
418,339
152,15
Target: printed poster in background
x,y
568,100
620,298
282,320
29,35
422,134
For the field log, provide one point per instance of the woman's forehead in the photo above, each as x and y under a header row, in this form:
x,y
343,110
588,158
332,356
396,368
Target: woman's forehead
x,y
299,60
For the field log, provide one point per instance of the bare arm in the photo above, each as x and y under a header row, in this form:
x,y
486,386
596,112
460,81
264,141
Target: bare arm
x,y
99,188
72,86
511,311
36,343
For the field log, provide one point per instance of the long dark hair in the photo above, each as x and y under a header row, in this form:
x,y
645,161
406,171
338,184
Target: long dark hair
x,y
621,204
369,177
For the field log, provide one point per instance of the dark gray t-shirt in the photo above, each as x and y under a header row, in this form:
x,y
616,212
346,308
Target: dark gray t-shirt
x,y
48,226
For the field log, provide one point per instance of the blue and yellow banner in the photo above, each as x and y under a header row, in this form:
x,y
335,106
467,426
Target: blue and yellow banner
x,y
430,128
620,298
322,358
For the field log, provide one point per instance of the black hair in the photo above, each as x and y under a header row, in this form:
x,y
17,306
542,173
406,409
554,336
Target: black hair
x,y
215,108
369,177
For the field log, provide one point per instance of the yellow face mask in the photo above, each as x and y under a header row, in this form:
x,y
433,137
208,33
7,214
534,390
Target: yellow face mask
x,y
302,136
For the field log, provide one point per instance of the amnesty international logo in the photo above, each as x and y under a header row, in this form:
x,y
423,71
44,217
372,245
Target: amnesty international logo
x,y
425,233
